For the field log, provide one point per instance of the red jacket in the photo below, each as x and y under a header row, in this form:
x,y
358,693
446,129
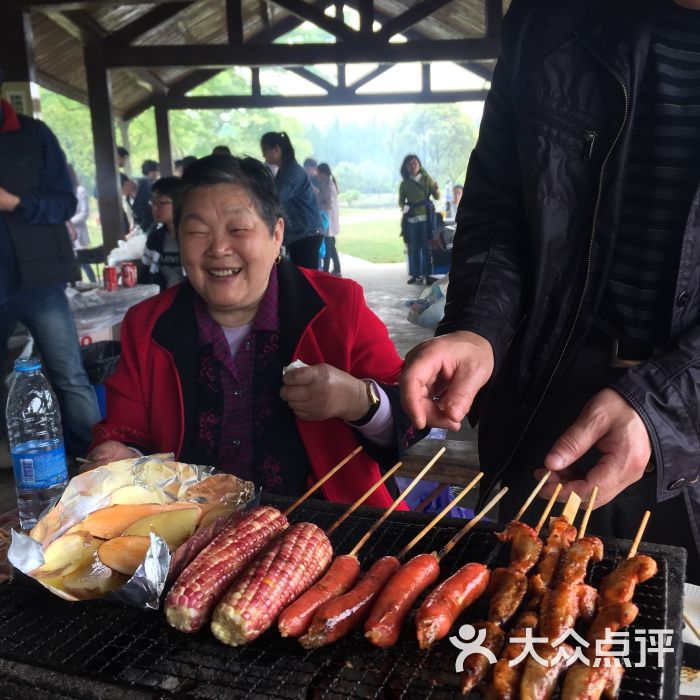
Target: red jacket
x,y
334,325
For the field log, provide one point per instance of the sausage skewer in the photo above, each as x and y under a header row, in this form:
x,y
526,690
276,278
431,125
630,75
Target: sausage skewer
x,y
415,576
345,568
341,615
277,576
445,603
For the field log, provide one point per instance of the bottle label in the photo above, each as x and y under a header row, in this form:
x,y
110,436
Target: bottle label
x,y
40,469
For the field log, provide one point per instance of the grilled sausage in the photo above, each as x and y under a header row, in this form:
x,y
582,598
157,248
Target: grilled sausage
x,y
393,603
340,577
448,601
337,617
476,665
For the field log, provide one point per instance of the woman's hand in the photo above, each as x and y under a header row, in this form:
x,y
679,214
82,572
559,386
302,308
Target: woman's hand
x,y
110,451
319,392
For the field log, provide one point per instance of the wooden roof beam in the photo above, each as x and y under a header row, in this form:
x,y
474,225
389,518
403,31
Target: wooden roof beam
x,y
363,51
83,26
311,77
397,25
158,15
337,98
62,5
234,21
314,14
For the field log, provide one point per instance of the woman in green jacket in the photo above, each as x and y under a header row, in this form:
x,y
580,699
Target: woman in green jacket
x,y
415,191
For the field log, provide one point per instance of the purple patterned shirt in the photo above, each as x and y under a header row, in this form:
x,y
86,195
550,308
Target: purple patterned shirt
x,y
235,424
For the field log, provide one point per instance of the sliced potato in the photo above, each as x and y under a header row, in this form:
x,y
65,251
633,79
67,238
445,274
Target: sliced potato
x,y
124,554
217,510
133,495
66,554
93,580
174,526
113,521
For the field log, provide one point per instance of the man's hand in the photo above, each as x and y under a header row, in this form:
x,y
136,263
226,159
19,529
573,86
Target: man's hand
x,y
110,451
321,391
608,423
452,367
8,202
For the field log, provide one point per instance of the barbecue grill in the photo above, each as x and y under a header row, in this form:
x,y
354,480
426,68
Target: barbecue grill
x,y
98,649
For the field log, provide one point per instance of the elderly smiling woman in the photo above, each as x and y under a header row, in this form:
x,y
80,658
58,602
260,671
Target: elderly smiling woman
x,y
201,366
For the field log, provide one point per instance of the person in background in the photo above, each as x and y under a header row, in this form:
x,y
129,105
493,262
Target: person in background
x,y
201,371
143,216
122,157
221,151
328,201
311,167
302,217
128,190
451,208
36,262
177,167
572,319
415,191
78,222
161,255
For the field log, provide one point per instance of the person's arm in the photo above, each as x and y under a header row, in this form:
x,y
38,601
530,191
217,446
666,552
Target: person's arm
x,y
81,213
431,186
402,195
54,201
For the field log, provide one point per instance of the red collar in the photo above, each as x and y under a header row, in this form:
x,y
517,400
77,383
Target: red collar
x,y
9,117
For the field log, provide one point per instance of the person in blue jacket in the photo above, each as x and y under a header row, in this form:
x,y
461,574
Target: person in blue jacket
x,y
303,229
36,261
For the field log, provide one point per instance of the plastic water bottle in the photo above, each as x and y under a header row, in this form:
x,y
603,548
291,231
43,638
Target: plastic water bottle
x,y
36,441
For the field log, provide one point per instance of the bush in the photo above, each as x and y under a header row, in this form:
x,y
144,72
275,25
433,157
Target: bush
x,y
349,197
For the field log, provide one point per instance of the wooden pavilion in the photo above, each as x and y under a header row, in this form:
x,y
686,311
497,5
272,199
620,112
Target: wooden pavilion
x,y
121,57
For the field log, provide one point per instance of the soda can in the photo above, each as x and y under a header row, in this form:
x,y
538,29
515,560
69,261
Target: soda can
x,y
128,274
109,276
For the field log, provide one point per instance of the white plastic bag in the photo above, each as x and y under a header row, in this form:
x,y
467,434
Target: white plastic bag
x,y
429,308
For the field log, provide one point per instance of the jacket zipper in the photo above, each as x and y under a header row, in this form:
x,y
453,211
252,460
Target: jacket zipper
x,y
589,135
588,268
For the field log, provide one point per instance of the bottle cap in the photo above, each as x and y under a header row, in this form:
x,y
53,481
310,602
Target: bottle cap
x,y
27,364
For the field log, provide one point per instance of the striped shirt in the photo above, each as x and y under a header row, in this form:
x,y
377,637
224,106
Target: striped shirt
x,y
662,175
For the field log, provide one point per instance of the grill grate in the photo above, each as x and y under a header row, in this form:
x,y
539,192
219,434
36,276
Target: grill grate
x,y
119,647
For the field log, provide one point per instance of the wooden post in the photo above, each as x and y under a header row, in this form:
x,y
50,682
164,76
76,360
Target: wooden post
x,y
17,62
108,184
165,156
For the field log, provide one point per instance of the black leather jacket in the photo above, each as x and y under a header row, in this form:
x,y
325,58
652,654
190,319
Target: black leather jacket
x,y
537,222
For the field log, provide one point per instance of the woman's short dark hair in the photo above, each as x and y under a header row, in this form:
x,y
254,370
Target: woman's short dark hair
x,y
167,185
279,138
404,166
248,173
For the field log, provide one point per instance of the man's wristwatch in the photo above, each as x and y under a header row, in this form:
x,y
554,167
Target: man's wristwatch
x,y
374,403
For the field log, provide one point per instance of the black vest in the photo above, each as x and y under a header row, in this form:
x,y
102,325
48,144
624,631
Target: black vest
x,y
43,252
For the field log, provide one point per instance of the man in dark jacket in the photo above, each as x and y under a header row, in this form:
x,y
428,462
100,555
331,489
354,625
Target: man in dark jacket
x,y
143,215
571,324
37,259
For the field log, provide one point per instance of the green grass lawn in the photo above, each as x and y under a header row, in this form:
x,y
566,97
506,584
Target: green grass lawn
x,y
375,238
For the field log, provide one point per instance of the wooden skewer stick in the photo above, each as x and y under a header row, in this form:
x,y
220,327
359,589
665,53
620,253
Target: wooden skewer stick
x,y
573,503
587,514
322,480
440,515
362,499
467,528
395,504
639,535
690,624
427,500
547,510
531,497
